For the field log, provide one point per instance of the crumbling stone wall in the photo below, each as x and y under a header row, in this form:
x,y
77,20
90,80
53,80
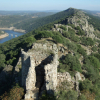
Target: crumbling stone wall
x,y
51,75
73,81
39,69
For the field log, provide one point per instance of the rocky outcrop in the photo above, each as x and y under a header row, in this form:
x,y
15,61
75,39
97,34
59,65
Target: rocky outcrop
x,y
73,82
39,69
57,28
78,77
80,19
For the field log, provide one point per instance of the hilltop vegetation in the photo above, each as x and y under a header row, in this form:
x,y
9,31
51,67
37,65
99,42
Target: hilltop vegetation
x,y
83,55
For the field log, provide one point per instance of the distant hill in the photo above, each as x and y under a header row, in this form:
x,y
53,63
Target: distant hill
x,y
31,24
94,18
9,19
95,13
5,13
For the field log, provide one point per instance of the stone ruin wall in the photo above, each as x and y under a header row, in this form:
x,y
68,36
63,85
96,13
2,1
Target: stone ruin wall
x,y
51,74
32,60
33,71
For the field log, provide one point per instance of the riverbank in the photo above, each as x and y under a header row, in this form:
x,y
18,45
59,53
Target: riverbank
x,y
14,29
4,35
12,34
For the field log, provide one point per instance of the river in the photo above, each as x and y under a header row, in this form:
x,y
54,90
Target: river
x,y
12,35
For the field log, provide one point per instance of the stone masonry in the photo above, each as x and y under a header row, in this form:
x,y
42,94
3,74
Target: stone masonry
x,y
39,69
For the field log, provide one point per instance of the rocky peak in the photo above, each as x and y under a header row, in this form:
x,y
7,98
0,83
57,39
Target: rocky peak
x,y
81,19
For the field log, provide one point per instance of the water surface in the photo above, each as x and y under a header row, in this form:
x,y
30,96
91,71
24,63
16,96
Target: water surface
x,y
12,35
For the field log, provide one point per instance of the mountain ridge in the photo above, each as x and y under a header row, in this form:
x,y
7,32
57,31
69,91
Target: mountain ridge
x,y
75,41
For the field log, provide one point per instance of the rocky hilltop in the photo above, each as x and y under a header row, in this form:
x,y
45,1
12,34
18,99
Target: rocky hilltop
x,y
60,61
39,71
80,19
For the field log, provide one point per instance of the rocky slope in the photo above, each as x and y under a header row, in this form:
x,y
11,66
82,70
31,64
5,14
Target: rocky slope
x,y
64,62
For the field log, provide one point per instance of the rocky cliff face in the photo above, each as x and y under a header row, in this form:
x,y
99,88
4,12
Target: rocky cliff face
x,y
80,19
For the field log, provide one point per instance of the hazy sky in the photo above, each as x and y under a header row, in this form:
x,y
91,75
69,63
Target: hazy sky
x,y
49,4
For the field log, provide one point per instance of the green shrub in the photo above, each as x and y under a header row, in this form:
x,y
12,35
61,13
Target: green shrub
x,y
63,68
99,51
74,38
63,27
71,31
81,50
94,48
29,41
66,34
71,46
85,85
78,28
99,45
80,32
45,96
2,60
57,39
97,55
67,95
16,93
72,25
87,41
88,95
72,62
92,73
94,61
82,97
43,34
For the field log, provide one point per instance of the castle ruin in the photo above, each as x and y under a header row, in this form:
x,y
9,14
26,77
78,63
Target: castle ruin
x,y
39,69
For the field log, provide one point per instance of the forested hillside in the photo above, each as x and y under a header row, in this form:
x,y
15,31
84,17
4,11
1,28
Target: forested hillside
x,y
30,25
75,31
7,21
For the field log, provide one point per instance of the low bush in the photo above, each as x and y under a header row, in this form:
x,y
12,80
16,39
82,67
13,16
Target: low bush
x,y
67,95
94,48
82,97
63,27
70,63
87,41
80,50
16,93
57,39
85,85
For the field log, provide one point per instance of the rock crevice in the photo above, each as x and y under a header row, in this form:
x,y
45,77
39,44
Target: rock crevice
x,y
39,69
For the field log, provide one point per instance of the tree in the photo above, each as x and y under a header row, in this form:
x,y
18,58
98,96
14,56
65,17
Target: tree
x,y
57,39
28,41
94,61
85,85
72,62
2,60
